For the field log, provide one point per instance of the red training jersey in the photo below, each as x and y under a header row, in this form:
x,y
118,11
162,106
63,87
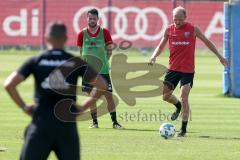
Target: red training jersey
x,y
107,36
182,48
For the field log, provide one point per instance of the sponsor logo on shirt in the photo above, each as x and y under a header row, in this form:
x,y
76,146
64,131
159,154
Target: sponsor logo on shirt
x,y
46,62
181,43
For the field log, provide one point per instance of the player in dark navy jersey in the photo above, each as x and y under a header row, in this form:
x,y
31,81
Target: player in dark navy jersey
x,y
55,74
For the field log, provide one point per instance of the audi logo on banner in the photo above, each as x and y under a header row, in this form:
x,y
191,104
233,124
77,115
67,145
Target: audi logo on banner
x,y
121,21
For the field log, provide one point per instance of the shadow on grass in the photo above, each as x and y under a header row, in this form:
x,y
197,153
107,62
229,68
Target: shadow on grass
x,y
220,138
226,96
141,130
133,129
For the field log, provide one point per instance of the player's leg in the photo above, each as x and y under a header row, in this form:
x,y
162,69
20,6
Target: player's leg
x,y
186,86
171,80
112,110
86,87
93,110
67,146
184,94
168,95
110,101
37,143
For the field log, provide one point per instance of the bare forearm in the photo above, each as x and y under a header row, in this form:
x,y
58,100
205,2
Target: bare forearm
x,y
92,99
11,87
109,50
212,47
160,47
157,52
15,96
99,89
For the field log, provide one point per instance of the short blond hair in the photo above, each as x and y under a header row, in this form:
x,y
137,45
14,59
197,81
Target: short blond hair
x,y
180,9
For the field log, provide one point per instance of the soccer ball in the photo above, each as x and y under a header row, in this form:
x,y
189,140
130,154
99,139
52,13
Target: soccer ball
x,y
167,130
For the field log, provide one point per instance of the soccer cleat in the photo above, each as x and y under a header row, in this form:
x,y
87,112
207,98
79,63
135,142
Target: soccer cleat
x,y
116,125
94,125
181,133
175,115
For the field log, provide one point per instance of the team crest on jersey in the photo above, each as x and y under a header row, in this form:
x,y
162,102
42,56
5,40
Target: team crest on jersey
x,y
186,34
93,43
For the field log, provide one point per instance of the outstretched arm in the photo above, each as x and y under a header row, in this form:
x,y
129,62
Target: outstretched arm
x,y
159,48
210,45
100,87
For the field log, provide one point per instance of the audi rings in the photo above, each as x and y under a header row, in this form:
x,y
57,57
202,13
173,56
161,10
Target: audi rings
x,y
121,19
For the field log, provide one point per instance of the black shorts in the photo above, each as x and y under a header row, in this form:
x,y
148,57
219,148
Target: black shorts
x,y
172,79
43,136
86,87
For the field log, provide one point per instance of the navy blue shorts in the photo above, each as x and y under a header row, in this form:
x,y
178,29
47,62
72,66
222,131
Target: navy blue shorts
x,y
43,136
86,87
172,79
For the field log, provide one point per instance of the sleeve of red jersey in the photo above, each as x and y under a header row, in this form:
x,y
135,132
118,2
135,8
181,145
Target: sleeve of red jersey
x,y
107,37
80,39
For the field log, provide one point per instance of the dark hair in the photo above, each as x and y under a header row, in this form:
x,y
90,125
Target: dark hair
x,y
93,11
56,30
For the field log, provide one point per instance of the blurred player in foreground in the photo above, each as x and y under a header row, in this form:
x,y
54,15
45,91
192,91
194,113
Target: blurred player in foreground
x,y
47,132
181,37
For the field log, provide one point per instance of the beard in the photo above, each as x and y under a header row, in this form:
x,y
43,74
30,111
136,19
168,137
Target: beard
x,y
92,25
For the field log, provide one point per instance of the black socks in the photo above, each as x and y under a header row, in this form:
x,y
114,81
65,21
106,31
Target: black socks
x,y
94,117
178,106
112,114
113,117
184,126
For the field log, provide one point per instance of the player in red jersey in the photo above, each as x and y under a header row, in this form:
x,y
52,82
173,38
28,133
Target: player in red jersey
x,y
181,37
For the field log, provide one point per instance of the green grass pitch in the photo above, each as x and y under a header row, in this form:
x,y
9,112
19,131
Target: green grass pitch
x,y
213,132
